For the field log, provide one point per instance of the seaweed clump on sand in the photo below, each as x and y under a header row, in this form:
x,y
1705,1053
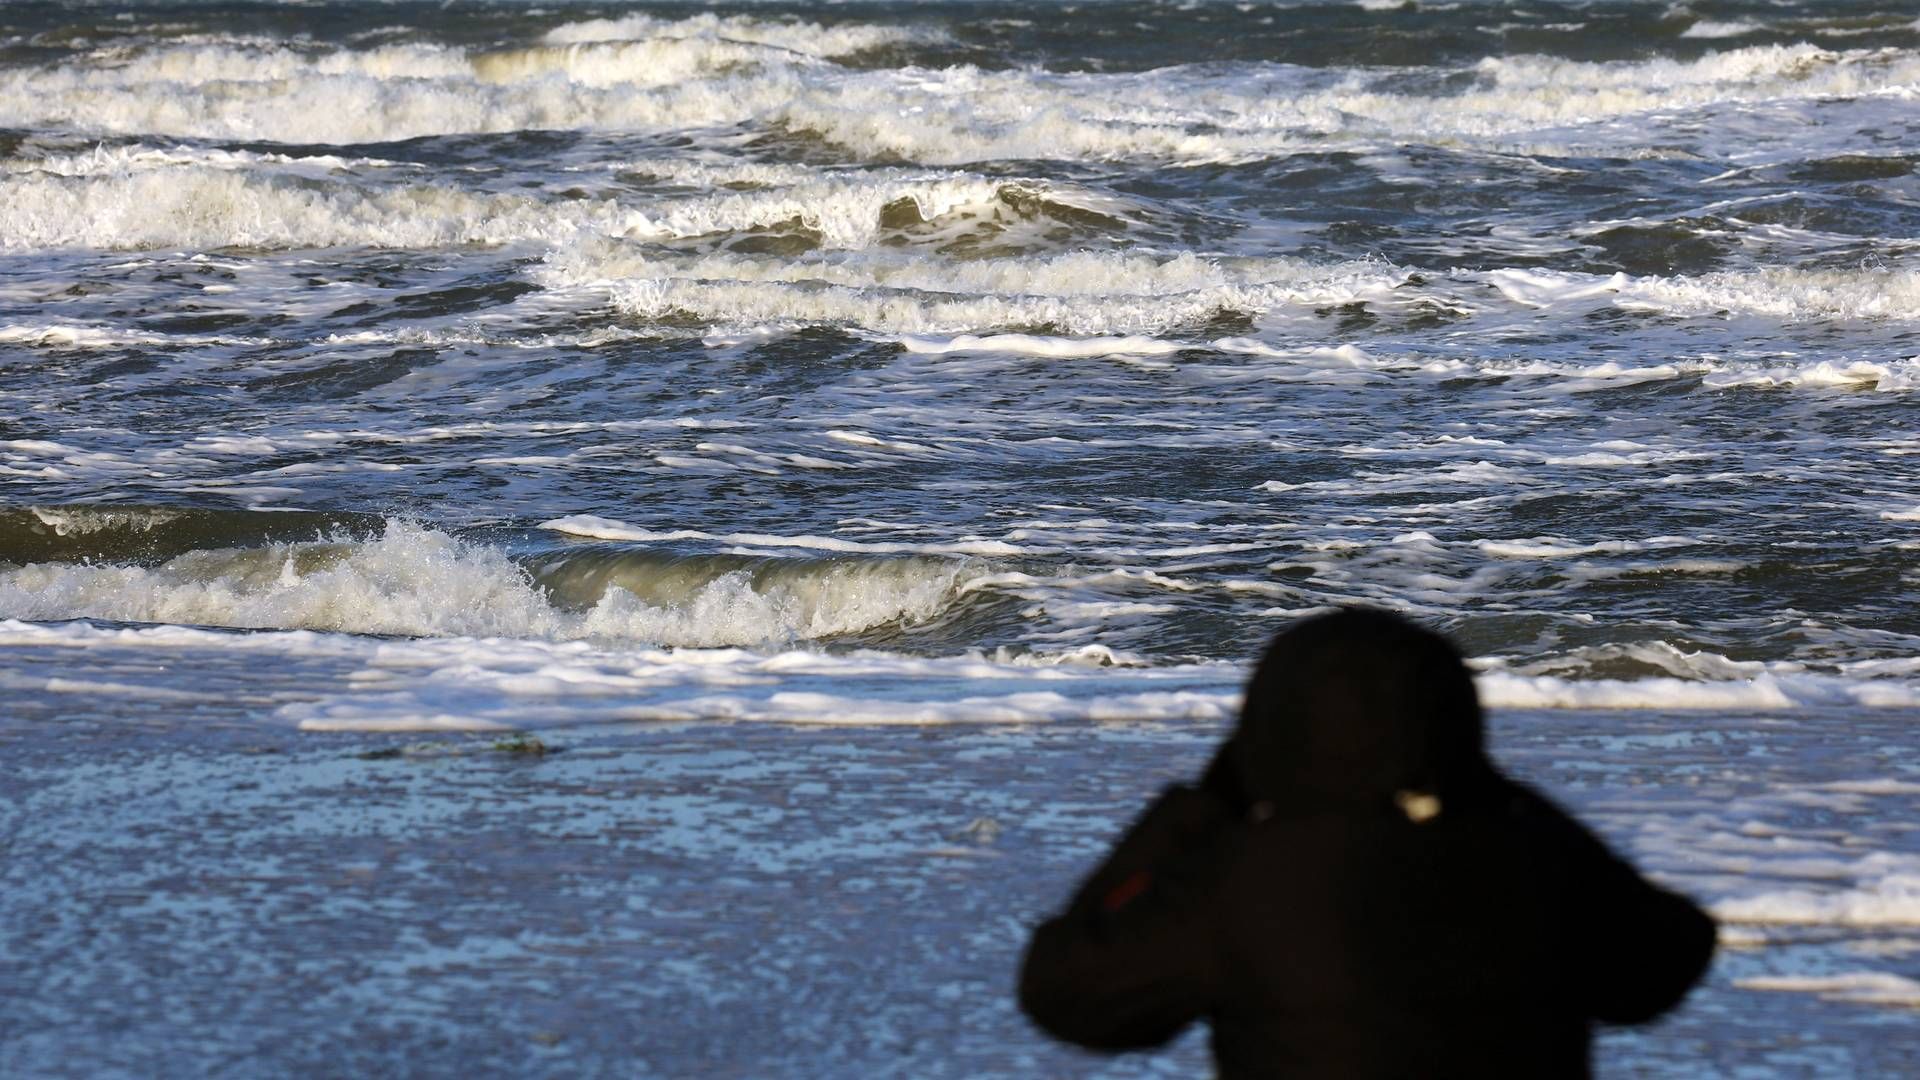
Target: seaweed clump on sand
x,y
517,743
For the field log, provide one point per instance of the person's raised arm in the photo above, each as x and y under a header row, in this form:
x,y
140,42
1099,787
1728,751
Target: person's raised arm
x,y
1648,948
1132,960
1639,947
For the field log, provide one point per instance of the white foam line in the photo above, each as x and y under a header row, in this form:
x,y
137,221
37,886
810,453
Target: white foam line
x,y
1077,275
1790,294
63,335
102,159
812,39
1505,690
1552,547
601,528
1036,345
1710,28
1864,987
1499,690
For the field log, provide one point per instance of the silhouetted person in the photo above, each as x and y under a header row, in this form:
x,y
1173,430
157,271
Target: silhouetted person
x,y
1355,891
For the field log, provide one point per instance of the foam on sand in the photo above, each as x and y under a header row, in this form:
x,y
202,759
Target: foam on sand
x,y
1859,987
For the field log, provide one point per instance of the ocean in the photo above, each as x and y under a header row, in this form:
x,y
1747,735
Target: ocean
x,y
657,539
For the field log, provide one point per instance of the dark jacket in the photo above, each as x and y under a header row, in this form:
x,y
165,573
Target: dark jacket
x,y
1355,891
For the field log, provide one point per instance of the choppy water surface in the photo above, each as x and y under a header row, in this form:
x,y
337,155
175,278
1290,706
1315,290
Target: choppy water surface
x,y
388,368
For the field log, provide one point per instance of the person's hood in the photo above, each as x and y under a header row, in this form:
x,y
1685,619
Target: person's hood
x,y
1359,707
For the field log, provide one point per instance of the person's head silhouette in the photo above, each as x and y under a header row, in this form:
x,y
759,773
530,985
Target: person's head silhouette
x,y
1354,707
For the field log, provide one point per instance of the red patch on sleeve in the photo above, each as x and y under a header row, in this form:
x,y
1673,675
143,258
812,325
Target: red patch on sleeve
x,y
1122,894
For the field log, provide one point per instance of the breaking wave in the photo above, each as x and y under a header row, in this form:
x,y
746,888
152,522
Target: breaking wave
x,y
415,581
718,73
195,205
1078,293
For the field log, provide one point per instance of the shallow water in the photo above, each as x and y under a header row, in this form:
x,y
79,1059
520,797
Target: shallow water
x,y
929,379
754,899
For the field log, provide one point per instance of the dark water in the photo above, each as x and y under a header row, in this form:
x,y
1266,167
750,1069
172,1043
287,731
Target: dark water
x,y
1291,285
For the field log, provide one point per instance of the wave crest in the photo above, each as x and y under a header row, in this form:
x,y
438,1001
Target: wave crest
x,y
416,581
